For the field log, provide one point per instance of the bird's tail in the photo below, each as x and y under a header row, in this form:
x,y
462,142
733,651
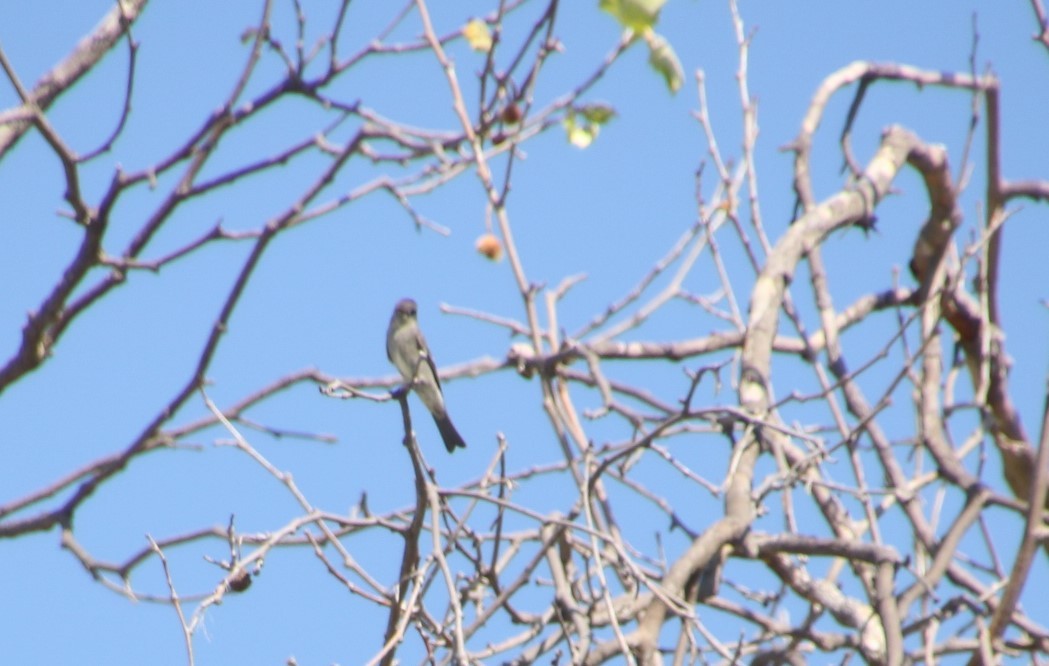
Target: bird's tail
x,y
452,438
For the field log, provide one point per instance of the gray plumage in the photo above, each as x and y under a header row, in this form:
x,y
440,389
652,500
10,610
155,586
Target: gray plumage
x,y
407,350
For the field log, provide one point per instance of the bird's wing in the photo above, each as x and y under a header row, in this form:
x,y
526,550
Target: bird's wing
x,y
424,350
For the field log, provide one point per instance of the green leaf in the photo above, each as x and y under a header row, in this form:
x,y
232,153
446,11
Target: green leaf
x,y
583,124
663,59
636,15
598,114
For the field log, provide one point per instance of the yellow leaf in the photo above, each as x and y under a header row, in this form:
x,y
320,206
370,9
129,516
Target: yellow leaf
x,y
478,36
581,137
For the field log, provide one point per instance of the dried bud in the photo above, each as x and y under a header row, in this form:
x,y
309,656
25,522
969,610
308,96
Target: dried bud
x,y
512,114
241,582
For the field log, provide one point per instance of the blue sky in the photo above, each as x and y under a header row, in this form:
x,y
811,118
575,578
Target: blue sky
x,y
323,293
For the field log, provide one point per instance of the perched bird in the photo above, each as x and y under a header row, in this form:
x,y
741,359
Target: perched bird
x,y
406,348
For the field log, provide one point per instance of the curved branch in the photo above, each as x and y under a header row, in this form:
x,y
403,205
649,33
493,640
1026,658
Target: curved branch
x,y
87,53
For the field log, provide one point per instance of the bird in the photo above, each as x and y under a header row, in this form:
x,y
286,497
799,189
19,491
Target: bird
x,y
407,350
